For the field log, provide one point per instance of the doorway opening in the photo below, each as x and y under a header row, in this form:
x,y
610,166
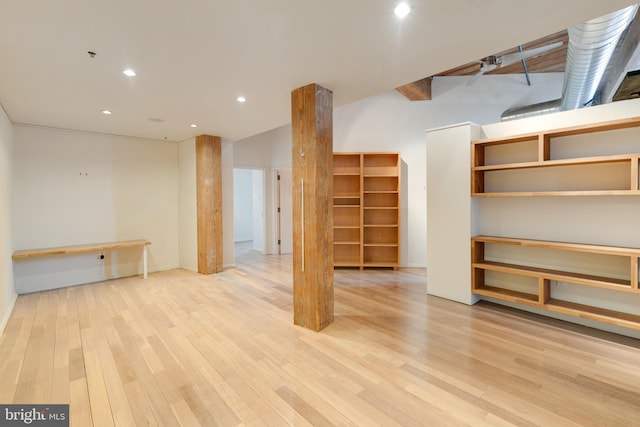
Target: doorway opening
x,y
249,211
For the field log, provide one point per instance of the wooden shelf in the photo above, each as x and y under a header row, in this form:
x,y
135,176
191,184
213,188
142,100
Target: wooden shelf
x,y
574,247
381,192
568,131
78,249
85,249
538,148
561,276
560,193
381,207
617,318
507,295
561,162
366,209
594,313
346,196
543,298
381,265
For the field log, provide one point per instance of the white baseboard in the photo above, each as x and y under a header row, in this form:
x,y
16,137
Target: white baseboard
x,y
414,265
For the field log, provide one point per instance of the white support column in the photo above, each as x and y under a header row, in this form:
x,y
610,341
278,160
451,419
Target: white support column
x,y
450,222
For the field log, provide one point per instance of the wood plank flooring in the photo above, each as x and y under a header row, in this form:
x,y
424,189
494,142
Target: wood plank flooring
x,y
185,349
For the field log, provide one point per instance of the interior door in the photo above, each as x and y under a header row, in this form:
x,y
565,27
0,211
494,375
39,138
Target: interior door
x,y
285,214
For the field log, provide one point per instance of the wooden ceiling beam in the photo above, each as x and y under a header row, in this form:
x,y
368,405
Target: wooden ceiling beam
x,y
420,90
553,61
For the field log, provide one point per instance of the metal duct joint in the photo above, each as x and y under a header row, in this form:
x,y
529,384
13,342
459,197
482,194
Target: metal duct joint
x,y
591,46
532,110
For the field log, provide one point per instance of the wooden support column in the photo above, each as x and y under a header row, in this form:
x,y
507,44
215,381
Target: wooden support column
x,y
312,167
209,203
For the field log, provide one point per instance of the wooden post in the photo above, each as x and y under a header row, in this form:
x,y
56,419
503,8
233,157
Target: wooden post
x,y
312,167
209,203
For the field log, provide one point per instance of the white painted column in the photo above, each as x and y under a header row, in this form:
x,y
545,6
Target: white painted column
x,y
450,219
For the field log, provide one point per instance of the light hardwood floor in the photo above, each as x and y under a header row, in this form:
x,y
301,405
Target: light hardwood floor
x,y
185,349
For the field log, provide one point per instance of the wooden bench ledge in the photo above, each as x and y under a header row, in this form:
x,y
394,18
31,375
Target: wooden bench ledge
x,y
78,249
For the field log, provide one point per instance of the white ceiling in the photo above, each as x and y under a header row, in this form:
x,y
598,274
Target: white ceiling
x,y
194,57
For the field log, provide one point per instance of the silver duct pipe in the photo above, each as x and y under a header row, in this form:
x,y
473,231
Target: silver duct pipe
x,y
532,110
591,46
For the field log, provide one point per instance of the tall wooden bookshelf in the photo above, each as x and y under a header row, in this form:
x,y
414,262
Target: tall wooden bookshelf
x,y
347,210
366,210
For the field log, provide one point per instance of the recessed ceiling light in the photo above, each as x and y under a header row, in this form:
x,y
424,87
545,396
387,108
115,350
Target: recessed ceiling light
x,y
129,72
107,112
193,125
402,10
241,99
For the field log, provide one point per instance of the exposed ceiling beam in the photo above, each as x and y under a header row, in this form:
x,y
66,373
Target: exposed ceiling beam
x,y
551,62
419,90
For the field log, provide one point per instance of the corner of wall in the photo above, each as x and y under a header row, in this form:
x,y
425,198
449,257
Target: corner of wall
x,y
188,228
8,294
8,312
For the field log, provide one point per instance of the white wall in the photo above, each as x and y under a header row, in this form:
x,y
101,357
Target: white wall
x,y
389,122
243,205
267,151
74,187
257,205
188,206
7,292
228,259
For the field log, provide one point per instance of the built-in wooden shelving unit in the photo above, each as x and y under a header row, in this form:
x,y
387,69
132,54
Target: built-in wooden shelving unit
x,y
366,209
490,176
495,277
540,273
